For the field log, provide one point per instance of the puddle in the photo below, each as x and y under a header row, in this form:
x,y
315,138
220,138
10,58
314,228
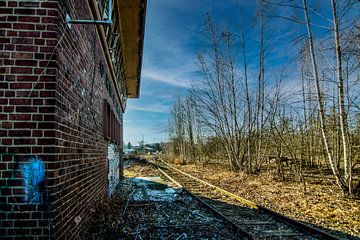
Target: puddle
x,y
152,189
146,208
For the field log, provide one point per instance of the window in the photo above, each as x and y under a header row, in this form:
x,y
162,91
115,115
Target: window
x,y
112,126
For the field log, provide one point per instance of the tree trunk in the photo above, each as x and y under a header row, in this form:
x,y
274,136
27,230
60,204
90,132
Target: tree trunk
x,y
261,87
248,102
342,114
321,110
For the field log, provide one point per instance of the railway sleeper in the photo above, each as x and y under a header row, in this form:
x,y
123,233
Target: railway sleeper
x,y
210,199
193,187
235,209
241,219
280,233
199,191
252,222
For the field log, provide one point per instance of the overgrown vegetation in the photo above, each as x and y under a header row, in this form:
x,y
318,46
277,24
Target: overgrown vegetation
x,y
303,113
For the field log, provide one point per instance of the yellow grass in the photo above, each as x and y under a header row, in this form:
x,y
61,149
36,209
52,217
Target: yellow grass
x,y
323,205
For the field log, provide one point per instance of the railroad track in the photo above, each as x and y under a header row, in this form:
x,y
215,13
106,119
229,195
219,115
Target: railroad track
x,y
253,221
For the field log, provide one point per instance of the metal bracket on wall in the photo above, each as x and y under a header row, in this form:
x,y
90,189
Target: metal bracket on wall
x,y
107,22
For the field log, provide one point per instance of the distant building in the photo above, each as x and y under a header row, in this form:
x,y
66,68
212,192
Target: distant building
x,y
129,153
63,91
149,150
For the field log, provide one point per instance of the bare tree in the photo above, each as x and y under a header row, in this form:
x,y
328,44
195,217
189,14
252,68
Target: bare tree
x,y
315,124
342,114
261,83
218,95
320,100
248,100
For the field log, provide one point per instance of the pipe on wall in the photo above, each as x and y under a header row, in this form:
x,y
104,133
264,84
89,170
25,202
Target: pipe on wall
x,y
106,22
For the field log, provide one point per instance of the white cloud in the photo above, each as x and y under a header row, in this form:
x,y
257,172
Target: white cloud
x,y
167,77
155,108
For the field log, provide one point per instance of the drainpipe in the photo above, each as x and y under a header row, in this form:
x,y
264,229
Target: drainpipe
x,y
107,22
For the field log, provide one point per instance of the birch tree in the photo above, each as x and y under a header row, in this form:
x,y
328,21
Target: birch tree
x,y
340,83
320,101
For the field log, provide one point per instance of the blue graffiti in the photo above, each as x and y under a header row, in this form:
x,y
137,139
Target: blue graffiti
x,y
34,176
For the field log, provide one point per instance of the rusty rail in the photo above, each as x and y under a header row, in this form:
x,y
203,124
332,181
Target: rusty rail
x,y
245,235
306,228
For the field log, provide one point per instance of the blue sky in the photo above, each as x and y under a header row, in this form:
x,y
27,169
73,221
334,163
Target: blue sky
x,y
173,36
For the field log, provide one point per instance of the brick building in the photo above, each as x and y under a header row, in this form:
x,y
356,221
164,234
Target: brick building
x,y
63,91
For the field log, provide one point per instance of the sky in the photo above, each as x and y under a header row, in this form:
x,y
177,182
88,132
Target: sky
x,y
174,35
172,38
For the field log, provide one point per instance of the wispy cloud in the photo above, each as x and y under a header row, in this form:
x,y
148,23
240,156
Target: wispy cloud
x,y
166,77
154,108
160,127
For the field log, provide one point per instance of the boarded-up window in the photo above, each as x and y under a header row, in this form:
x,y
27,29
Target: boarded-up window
x,y
111,124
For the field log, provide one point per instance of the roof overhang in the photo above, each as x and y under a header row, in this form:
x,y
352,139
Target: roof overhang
x,y
132,23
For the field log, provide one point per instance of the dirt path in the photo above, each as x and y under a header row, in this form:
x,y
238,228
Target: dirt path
x,y
146,207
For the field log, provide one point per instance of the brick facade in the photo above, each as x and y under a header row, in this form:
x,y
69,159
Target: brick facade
x,y
54,84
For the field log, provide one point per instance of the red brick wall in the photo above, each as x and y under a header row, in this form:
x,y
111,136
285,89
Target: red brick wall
x,y
51,113
28,32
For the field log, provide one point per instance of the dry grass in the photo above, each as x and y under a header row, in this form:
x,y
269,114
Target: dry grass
x,y
321,204
140,169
